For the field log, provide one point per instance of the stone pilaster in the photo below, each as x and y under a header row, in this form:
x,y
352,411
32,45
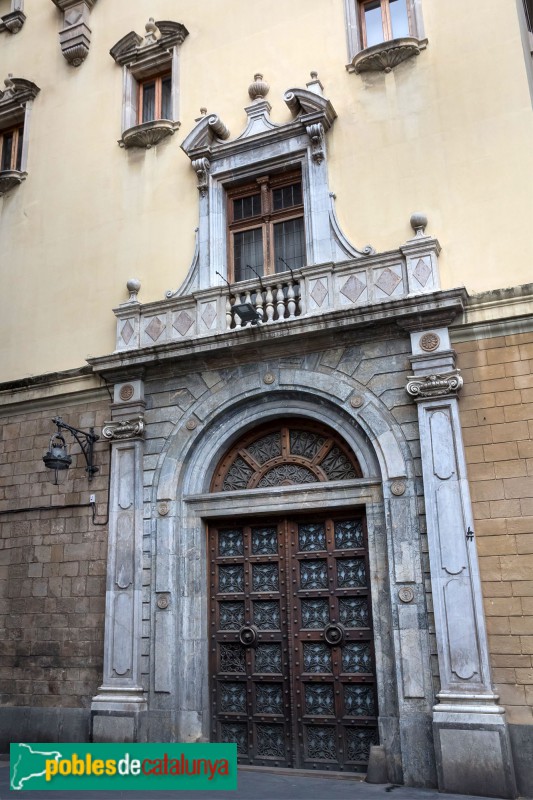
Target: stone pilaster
x,y
120,698
470,730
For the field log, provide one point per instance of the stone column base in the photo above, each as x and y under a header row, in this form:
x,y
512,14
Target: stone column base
x,y
473,751
115,712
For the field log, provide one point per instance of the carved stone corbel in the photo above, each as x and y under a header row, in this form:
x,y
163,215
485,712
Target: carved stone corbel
x,y
432,386
317,136
201,167
124,428
75,38
15,19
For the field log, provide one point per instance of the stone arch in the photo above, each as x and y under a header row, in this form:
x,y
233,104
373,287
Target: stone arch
x,y
181,485
370,429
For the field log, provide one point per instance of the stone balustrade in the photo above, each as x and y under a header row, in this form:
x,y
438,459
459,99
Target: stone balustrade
x,y
283,297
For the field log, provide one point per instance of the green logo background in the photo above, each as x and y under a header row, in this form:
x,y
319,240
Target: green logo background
x,y
29,764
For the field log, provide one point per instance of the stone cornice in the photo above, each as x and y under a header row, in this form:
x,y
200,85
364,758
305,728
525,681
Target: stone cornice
x,y
133,48
317,330
486,312
45,391
13,98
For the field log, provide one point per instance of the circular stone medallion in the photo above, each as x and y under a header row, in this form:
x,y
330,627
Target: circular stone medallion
x,y
406,594
268,378
163,602
429,342
126,392
398,488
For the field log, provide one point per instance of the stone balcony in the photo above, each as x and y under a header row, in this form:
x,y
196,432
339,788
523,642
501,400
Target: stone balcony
x,y
308,293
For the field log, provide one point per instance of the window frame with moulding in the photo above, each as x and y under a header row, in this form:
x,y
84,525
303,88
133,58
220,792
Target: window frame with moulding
x,y
265,217
391,49
15,148
224,165
528,15
16,102
158,82
144,60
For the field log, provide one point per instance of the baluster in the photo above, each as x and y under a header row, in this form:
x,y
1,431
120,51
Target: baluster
x,y
280,302
229,315
291,303
269,304
237,319
299,306
248,299
259,303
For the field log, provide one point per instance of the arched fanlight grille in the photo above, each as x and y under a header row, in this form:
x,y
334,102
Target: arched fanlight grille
x,y
285,453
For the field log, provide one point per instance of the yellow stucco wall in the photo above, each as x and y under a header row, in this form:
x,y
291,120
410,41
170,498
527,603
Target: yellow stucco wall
x,y
448,133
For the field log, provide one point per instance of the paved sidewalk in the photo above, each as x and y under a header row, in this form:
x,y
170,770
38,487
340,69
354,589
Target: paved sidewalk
x,y
255,785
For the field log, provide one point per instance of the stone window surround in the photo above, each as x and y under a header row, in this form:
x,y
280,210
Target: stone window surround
x,y
155,54
16,101
264,147
15,19
385,56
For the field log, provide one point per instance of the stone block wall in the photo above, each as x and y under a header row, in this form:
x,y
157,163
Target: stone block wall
x,y
497,418
52,563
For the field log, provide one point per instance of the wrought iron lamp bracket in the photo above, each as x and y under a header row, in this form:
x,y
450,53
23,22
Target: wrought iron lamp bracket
x,y
85,439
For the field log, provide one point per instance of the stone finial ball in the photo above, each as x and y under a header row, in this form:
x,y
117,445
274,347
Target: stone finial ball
x,y
418,221
133,285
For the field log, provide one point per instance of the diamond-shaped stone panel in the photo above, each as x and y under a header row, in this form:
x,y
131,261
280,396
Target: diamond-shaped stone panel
x,y
182,322
155,329
319,292
127,332
353,288
422,272
388,281
209,315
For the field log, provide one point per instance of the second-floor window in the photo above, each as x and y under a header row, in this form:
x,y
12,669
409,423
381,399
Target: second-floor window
x,y
155,98
266,226
383,20
11,149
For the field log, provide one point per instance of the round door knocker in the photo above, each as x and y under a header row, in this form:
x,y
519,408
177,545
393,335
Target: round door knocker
x,y
334,634
248,635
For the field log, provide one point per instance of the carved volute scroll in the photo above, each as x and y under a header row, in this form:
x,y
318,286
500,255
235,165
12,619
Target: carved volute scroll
x,y
285,454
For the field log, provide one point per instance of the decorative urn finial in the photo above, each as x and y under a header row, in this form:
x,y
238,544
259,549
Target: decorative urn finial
x,y
259,89
133,286
419,222
152,32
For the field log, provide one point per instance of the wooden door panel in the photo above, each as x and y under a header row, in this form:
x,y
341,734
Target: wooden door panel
x,y
292,652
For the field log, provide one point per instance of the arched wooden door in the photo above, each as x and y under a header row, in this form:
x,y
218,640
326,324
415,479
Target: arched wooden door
x,y
291,646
